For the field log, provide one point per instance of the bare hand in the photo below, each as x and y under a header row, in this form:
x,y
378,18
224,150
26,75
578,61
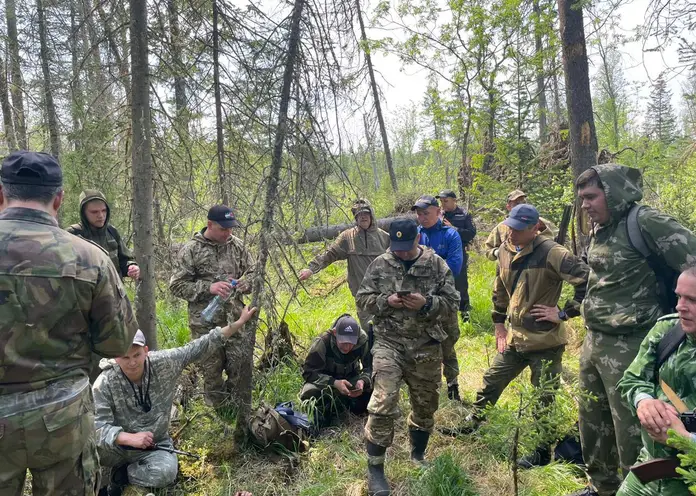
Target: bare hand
x,y
343,386
446,222
542,312
134,271
247,313
414,301
395,301
243,286
221,288
140,440
243,493
358,389
656,415
661,436
500,337
305,274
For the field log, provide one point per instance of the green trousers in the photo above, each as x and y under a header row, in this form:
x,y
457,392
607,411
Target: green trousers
x,y
631,486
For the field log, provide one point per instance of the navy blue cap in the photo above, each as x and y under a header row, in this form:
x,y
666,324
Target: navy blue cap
x,y
522,217
447,193
31,168
402,232
347,330
425,201
223,215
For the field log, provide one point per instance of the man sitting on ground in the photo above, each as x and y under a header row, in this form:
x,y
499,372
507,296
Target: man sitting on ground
x,y
337,371
133,400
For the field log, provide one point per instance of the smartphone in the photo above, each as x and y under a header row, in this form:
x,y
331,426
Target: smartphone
x,y
403,293
350,387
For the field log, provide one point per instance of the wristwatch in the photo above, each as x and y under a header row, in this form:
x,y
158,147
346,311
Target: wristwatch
x,y
563,315
428,305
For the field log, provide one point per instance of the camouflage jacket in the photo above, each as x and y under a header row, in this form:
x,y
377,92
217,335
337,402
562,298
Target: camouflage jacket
x,y
678,371
325,362
359,247
60,300
202,262
107,237
546,265
622,292
116,407
500,234
430,276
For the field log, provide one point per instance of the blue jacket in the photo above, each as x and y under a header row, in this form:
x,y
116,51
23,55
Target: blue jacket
x,y
446,243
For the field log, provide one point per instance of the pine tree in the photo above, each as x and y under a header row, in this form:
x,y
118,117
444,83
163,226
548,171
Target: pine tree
x,y
660,122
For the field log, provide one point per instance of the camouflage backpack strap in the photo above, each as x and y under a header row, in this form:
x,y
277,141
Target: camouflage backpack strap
x,y
668,344
635,235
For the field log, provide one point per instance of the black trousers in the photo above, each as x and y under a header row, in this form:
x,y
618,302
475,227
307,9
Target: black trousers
x,y
461,282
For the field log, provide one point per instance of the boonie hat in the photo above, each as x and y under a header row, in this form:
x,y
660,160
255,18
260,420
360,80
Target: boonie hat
x,y
515,194
31,168
447,193
223,215
521,217
347,330
402,232
425,201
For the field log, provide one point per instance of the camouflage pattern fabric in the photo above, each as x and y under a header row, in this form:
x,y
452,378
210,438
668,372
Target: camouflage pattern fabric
x,y
155,468
202,262
407,343
330,403
107,236
501,232
668,487
640,382
56,443
450,364
609,432
325,363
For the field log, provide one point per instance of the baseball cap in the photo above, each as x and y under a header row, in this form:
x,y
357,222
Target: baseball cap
x,y
447,193
515,194
139,339
31,168
361,206
347,330
402,232
425,201
521,217
223,215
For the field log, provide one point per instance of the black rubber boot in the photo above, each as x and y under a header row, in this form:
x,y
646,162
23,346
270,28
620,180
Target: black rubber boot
x,y
419,441
538,458
377,484
119,480
453,392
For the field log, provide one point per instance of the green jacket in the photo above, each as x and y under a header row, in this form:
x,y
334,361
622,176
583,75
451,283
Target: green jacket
x,y
678,372
325,362
60,300
429,276
107,236
202,262
622,295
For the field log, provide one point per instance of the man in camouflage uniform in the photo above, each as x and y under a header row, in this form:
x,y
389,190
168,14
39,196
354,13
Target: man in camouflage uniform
x,y
359,245
133,400
60,300
206,265
338,370
531,271
641,389
95,226
410,290
501,232
622,304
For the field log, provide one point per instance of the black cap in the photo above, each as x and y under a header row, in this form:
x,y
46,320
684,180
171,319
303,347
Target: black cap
x,y
223,215
447,193
425,201
402,232
31,168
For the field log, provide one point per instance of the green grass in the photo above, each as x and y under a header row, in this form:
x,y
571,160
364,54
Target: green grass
x,y
336,462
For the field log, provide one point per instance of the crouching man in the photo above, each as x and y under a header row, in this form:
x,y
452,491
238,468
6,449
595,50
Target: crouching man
x,y
133,399
337,371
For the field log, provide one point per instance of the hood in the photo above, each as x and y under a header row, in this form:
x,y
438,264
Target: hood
x,y
107,363
89,195
623,186
362,204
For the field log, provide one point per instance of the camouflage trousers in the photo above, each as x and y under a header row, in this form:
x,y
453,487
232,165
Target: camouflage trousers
x,y
631,486
228,359
609,432
450,364
145,468
56,443
330,403
364,319
509,364
419,367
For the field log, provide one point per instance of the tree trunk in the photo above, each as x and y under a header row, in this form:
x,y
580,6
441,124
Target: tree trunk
x,y
375,95
6,109
142,171
320,233
180,100
541,84
76,97
16,86
218,108
583,137
265,241
371,151
556,95
51,116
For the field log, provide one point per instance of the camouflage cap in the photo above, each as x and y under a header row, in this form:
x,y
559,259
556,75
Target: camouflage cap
x,y
515,194
31,168
361,205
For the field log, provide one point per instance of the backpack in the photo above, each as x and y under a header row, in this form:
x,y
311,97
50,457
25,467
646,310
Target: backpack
x,y
569,449
281,425
666,275
668,344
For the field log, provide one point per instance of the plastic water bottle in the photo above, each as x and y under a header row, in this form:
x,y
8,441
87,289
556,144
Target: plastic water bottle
x,y
212,309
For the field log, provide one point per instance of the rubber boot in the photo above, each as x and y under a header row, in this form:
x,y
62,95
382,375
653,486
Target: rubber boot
x,y
419,441
453,392
538,458
377,484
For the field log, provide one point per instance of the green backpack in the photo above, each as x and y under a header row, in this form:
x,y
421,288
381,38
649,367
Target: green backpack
x,y
267,427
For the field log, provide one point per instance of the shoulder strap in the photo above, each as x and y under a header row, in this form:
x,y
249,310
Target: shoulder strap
x,y
668,345
77,228
635,235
